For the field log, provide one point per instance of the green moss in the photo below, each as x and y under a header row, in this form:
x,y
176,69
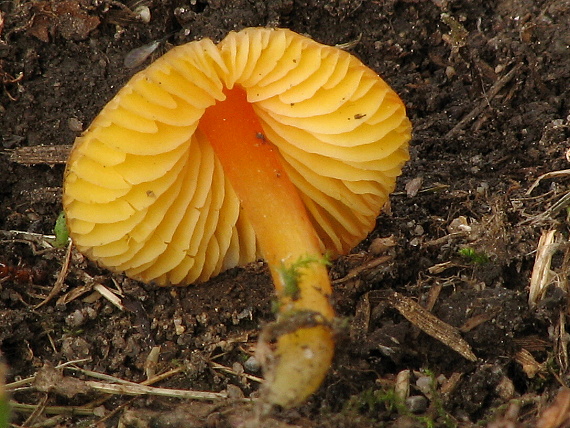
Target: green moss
x,y
291,275
373,402
474,256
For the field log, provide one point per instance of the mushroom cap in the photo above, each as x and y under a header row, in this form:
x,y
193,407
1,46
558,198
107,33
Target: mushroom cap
x,y
145,194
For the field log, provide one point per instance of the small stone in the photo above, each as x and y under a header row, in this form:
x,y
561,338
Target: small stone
x,y
418,230
417,403
505,389
425,384
143,12
178,327
75,319
252,365
237,368
413,186
75,124
234,392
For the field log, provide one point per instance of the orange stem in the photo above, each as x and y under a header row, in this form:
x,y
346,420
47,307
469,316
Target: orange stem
x,y
285,235
269,198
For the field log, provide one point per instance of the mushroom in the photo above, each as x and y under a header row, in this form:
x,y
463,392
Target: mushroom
x,y
268,144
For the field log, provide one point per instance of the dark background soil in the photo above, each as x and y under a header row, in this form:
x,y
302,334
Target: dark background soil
x,y
486,85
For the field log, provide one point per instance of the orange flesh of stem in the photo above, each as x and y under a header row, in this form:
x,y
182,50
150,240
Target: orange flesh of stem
x,y
285,234
270,200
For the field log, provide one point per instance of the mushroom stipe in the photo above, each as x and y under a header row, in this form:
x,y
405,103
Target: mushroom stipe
x,y
269,145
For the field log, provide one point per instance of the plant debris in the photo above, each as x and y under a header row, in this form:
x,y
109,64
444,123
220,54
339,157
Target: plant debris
x,y
487,92
64,17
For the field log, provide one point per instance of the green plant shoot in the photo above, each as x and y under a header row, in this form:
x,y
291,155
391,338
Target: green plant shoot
x,y
4,411
61,232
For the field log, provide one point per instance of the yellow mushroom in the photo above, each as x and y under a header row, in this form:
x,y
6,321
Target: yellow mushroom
x,y
268,144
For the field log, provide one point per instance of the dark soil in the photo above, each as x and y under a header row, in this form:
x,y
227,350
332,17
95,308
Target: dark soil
x,y
486,85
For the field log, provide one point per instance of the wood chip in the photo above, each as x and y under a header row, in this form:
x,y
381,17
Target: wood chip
x,y
541,275
450,384
48,155
151,362
360,325
432,325
529,365
440,267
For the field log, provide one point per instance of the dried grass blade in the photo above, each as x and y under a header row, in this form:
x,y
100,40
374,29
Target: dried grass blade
x,y
136,389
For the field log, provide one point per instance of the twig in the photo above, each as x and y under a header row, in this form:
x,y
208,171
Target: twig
x,y
547,175
550,212
137,389
363,268
53,410
484,103
58,285
40,408
349,45
30,238
233,372
101,376
13,385
151,381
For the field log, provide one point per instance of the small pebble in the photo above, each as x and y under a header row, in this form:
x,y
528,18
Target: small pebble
x,y
143,12
237,368
99,411
482,188
381,245
252,365
505,389
178,327
424,384
75,319
75,124
417,403
418,230
234,392
413,186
